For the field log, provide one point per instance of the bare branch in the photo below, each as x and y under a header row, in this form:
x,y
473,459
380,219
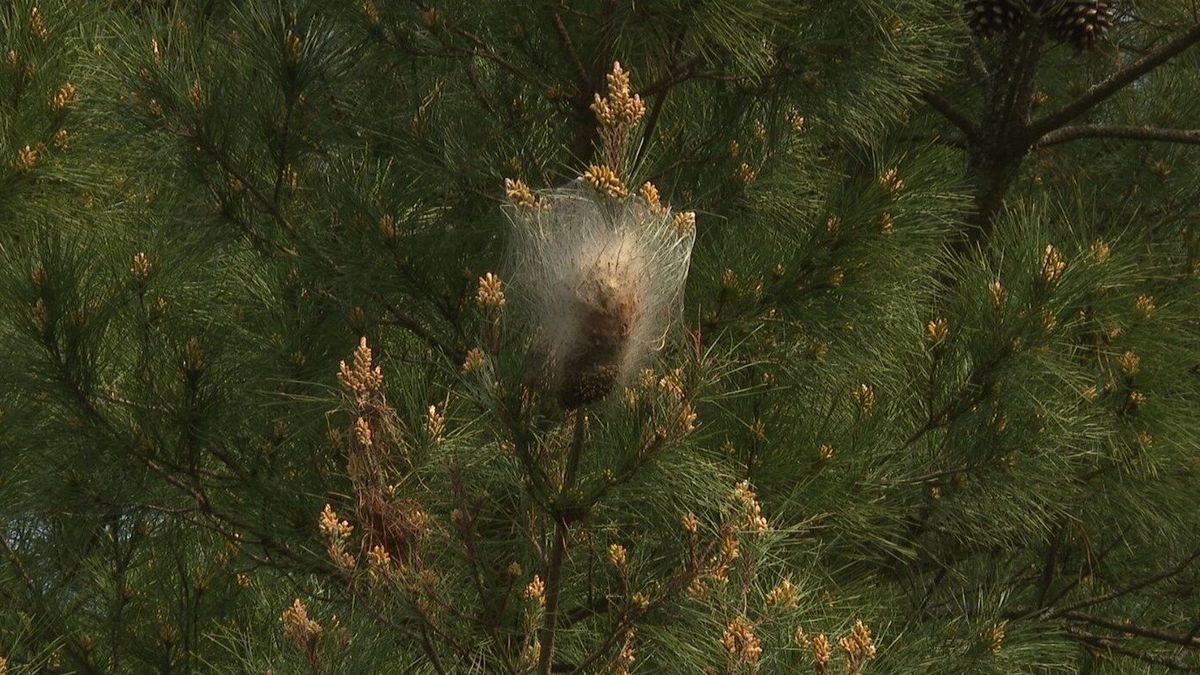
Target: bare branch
x,y
1099,643
568,45
952,114
1135,629
1127,132
674,76
1102,91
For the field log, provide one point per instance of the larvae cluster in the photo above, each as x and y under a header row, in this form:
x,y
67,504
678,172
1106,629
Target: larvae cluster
x,y
607,307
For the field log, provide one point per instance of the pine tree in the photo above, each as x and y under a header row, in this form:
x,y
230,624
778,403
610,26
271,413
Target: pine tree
x,y
687,337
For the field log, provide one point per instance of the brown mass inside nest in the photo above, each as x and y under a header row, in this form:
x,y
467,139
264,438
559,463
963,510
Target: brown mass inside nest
x,y
593,366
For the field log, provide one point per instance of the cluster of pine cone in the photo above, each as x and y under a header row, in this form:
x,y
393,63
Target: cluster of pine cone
x,y
1082,23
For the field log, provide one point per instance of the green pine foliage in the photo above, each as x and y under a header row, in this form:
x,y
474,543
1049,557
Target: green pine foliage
x,y
929,403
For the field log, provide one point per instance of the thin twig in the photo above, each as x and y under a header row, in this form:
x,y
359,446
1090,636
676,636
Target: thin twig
x,y
1126,132
1126,590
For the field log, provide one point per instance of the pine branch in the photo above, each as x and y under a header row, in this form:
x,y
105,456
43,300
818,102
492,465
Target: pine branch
x,y
259,243
553,589
477,90
977,388
1194,631
431,652
430,629
619,626
271,207
557,553
1094,561
188,480
591,609
1047,576
629,615
483,50
1137,585
974,61
1135,629
413,326
47,611
564,37
1016,99
952,114
673,77
281,164
418,631
1127,132
469,535
1102,91
1105,644
676,74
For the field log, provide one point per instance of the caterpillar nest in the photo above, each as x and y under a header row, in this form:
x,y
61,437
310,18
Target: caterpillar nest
x,y
600,280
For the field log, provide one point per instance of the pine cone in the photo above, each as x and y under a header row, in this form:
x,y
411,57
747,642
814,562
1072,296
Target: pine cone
x,y
1081,22
989,17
